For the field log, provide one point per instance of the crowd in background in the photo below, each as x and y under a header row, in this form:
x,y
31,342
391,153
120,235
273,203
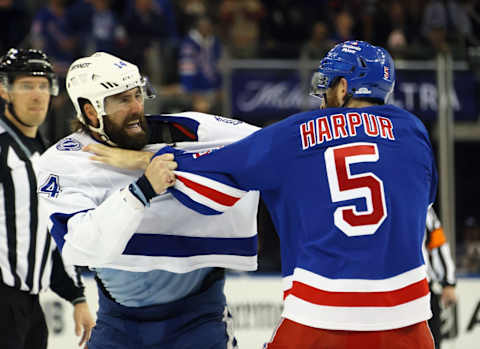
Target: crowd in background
x,y
153,33
179,44
168,38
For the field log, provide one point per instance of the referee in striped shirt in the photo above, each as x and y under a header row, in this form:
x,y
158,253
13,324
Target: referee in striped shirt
x,y
29,259
441,273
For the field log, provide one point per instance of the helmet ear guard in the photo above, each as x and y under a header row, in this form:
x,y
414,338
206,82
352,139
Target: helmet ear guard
x,y
368,70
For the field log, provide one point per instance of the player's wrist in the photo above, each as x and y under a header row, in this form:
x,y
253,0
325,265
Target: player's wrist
x,y
142,189
79,300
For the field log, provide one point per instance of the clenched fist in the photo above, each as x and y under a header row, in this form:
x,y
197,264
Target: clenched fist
x,y
160,172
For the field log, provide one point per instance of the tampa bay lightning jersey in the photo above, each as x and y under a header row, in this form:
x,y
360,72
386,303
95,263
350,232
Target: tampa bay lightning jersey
x,y
96,223
348,190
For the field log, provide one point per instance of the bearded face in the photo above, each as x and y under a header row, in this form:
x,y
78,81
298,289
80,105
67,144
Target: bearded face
x,y
125,123
131,133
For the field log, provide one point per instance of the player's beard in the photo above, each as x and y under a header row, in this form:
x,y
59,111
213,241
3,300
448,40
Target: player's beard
x,y
119,135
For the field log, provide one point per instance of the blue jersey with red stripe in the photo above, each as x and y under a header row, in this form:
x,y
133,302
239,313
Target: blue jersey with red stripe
x,y
348,191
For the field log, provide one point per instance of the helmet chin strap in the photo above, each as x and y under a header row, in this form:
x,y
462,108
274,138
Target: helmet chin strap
x,y
101,132
107,140
325,101
347,99
11,109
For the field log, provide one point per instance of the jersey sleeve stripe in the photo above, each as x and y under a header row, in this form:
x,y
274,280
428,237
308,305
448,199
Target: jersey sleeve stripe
x,y
59,227
216,196
217,192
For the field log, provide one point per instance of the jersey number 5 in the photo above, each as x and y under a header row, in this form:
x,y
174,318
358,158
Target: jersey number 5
x,y
345,186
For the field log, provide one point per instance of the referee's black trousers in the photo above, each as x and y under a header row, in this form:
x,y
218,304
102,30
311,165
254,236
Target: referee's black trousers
x,y
22,323
435,322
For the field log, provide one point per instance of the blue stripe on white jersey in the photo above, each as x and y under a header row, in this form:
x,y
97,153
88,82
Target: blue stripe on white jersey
x,y
59,227
187,246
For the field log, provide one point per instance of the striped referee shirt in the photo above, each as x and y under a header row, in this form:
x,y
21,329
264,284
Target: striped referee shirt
x,y
29,259
441,267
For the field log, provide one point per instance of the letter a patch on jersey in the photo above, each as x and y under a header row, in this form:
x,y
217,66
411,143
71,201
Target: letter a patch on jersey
x,y
51,187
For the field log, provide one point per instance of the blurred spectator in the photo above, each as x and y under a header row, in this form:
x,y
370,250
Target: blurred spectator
x,y
242,18
95,27
319,43
363,14
188,11
367,12
14,25
473,9
397,43
464,21
198,66
147,28
469,251
166,8
343,27
434,27
49,34
107,34
79,22
443,28
395,32
287,24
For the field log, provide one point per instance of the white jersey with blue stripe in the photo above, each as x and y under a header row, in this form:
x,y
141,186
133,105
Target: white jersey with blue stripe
x,y
98,224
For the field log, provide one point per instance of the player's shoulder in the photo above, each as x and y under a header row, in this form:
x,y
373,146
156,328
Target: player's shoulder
x,y
66,155
204,124
387,110
410,120
196,116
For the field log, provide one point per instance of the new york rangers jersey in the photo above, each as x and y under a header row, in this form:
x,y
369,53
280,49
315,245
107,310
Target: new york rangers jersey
x,y
348,190
79,193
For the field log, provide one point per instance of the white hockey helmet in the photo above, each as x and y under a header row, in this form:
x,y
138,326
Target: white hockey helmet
x,y
99,76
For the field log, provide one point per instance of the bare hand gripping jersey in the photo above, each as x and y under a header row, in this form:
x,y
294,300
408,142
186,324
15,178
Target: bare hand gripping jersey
x,y
348,190
95,223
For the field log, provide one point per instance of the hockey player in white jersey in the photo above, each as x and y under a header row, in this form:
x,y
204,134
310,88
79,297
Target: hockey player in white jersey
x,y
158,264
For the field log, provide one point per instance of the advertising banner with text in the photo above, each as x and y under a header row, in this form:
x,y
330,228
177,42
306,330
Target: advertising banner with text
x,y
261,95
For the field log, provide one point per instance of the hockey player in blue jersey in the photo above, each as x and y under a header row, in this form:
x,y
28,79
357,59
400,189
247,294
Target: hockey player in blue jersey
x,y
348,188
158,265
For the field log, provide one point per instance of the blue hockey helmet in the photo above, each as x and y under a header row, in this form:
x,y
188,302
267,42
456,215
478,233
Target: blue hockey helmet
x,y
368,69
